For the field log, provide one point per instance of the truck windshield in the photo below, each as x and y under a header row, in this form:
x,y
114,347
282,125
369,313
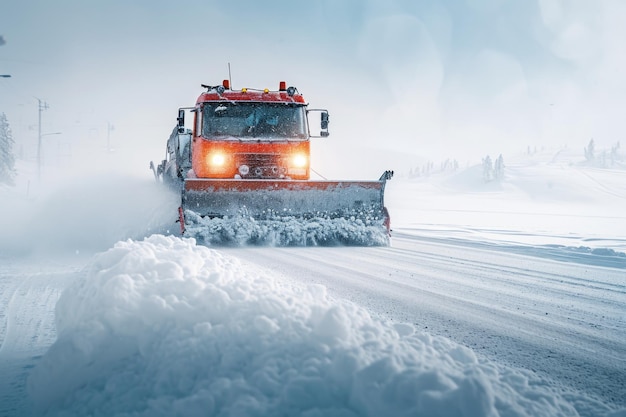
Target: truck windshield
x,y
277,121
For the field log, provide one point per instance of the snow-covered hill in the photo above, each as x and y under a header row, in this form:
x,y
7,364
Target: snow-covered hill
x,y
547,198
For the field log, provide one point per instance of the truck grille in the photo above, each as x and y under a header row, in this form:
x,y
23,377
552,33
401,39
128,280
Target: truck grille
x,y
262,165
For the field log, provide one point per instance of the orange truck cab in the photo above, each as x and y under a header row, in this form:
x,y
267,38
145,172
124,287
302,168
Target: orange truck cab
x,y
251,134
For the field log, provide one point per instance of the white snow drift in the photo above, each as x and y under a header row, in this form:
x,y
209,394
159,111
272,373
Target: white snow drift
x,y
163,327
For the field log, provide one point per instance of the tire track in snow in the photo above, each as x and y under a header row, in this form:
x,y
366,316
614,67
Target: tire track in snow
x,y
8,288
28,326
600,185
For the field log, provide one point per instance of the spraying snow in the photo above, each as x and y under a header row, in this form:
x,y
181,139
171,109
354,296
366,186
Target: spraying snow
x,y
286,231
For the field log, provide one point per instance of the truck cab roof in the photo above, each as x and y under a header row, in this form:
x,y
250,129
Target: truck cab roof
x,y
224,93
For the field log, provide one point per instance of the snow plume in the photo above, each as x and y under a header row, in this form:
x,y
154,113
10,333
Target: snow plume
x,y
164,327
87,214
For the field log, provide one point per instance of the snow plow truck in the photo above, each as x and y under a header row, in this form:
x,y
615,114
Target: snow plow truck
x,y
243,173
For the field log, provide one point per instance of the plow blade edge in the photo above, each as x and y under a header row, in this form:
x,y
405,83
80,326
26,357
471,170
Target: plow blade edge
x,y
267,199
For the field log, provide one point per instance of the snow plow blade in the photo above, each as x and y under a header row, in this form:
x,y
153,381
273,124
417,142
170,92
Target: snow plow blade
x,y
286,212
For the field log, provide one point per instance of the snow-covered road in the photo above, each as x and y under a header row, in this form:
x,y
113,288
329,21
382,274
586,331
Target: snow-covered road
x,y
564,321
560,320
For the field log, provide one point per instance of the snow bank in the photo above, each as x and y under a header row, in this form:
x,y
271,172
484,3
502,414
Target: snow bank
x,y
163,327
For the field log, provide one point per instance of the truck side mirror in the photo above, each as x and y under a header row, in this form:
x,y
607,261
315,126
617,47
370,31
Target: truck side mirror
x,y
181,120
324,120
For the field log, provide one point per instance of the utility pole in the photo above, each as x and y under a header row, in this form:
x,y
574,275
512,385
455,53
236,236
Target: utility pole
x,y
42,106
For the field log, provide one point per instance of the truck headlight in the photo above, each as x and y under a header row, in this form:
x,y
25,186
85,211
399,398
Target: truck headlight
x,y
216,160
299,161
298,165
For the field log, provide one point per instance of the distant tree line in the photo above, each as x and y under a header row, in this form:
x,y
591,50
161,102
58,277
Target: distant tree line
x,y
493,171
605,158
449,165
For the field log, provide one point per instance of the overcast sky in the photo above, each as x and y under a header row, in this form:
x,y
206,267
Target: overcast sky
x,y
434,78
